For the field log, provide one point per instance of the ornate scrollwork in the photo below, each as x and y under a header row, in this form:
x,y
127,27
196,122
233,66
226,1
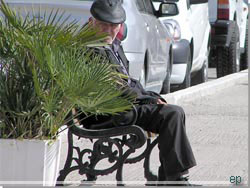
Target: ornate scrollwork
x,y
105,147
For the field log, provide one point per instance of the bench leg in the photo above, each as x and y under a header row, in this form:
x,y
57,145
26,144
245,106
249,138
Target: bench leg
x,y
147,173
67,167
119,173
103,148
146,156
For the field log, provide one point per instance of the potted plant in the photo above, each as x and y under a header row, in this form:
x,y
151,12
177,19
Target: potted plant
x,y
46,70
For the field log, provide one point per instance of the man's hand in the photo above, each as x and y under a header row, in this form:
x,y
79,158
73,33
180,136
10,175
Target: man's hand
x,y
159,101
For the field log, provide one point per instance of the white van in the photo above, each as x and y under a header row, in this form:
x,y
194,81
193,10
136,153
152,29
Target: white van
x,y
194,27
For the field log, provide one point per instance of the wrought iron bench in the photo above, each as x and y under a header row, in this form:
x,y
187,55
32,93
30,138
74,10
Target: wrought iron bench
x,y
125,139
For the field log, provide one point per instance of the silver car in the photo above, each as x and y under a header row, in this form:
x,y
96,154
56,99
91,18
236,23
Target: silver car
x,y
147,44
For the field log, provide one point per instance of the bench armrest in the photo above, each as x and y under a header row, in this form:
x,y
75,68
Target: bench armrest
x,y
111,132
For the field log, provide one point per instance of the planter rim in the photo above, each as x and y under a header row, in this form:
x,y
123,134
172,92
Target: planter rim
x,y
58,136
30,140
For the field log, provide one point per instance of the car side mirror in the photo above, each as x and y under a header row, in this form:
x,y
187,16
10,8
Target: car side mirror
x,y
168,9
192,2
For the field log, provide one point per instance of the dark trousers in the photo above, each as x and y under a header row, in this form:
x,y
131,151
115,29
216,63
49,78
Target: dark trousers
x,y
168,121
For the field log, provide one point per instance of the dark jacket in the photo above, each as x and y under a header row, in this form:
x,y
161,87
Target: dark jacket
x,y
143,96
116,55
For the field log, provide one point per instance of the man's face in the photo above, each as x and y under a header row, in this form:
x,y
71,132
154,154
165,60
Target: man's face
x,y
111,29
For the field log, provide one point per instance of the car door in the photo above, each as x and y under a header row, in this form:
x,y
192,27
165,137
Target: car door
x,y
155,71
164,39
198,25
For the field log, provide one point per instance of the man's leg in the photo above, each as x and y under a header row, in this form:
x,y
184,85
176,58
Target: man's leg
x,y
176,155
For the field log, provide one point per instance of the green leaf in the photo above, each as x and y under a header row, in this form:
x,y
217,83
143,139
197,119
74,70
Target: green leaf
x,y
47,69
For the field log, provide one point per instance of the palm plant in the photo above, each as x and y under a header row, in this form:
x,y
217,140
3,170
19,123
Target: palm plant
x,y
46,69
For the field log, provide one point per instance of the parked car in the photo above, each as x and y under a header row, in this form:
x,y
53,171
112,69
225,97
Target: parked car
x,y
229,41
190,59
147,44
150,44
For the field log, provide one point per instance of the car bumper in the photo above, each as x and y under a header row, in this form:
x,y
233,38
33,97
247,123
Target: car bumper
x,y
180,51
178,74
180,58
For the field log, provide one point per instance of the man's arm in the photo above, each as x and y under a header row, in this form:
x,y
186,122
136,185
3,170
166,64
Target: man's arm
x,y
136,87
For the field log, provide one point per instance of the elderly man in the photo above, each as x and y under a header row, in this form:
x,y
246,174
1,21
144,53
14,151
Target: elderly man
x,y
154,114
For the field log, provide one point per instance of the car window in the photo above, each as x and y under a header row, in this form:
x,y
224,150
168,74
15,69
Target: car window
x,y
149,7
140,5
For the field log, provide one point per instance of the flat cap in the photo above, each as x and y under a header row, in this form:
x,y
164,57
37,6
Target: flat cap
x,y
110,11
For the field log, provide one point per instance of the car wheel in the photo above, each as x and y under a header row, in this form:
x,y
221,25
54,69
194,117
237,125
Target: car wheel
x,y
166,83
244,56
228,61
187,82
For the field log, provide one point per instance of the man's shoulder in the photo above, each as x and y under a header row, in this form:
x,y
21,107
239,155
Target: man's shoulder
x,y
117,42
98,49
116,45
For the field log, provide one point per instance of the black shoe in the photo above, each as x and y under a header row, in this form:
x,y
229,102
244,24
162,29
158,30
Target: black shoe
x,y
161,174
180,181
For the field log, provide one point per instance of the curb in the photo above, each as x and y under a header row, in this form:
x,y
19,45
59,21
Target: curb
x,y
205,89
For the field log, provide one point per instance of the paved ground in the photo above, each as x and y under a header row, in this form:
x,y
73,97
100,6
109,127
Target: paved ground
x,y
217,126
218,129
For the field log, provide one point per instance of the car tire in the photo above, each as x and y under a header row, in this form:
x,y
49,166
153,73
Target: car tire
x,y
187,81
244,56
166,83
228,58
212,59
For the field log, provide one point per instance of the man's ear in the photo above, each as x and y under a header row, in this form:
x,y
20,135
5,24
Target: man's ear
x,y
122,34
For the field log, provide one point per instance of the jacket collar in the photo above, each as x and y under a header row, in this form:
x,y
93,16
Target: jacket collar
x,y
116,45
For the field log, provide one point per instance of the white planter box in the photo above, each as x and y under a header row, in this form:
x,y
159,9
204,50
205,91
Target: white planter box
x,y
29,161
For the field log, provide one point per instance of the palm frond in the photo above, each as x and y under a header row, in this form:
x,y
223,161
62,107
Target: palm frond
x,y
47,68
